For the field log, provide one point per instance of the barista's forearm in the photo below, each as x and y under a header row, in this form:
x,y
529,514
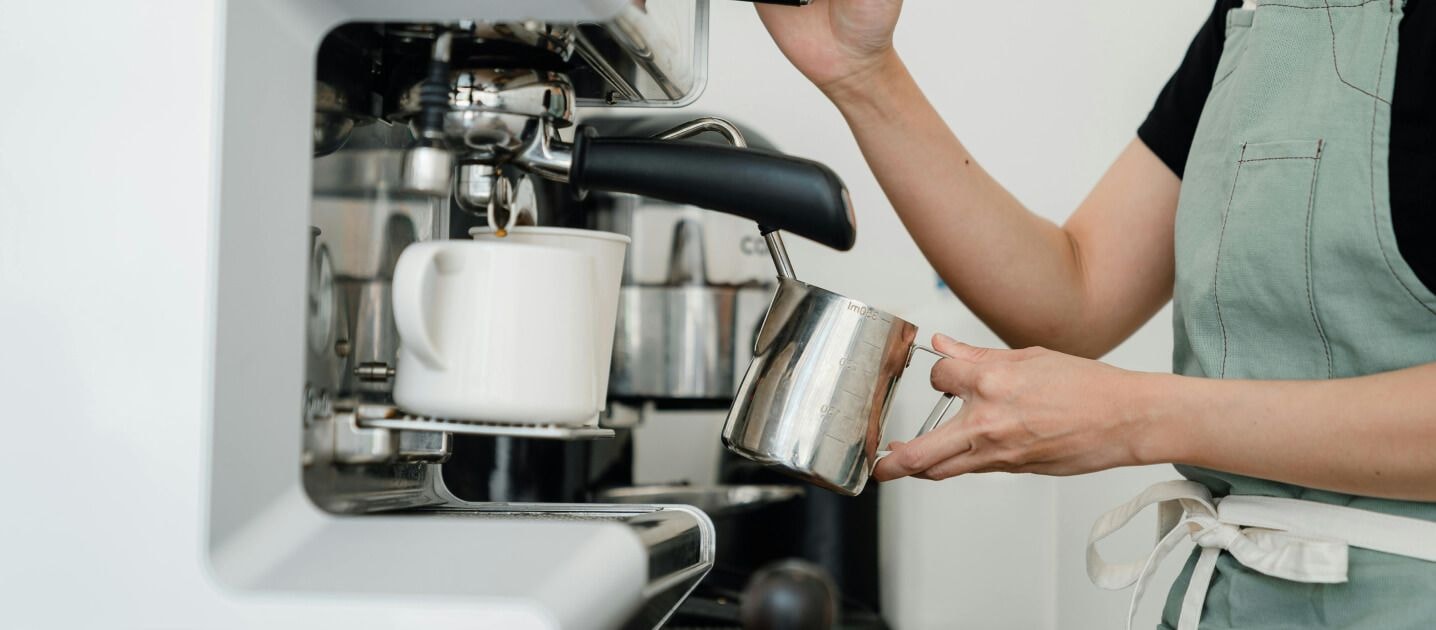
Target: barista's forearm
x,y
1017,271
1372,436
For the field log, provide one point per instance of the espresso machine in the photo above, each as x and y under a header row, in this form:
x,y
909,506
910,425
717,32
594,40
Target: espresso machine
x,y
423,130
247,466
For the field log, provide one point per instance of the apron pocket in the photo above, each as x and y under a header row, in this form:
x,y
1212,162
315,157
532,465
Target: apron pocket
x,y
1262,278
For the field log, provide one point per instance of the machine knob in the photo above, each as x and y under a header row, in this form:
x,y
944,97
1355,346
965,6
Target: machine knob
x,y
790,595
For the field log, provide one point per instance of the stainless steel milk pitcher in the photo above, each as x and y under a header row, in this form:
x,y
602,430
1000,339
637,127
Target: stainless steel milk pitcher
x,y
815,398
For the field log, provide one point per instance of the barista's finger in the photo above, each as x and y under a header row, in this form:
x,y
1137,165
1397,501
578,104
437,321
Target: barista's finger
x,y
889,468
904,461
925,451
973,461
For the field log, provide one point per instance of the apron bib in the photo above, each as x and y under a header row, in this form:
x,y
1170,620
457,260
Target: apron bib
x,y
1287,268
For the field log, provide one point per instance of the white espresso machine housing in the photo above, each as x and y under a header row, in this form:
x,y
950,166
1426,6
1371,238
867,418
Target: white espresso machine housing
x,y
155,203
198,227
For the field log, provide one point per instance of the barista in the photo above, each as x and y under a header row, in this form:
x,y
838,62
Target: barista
x,y
1281,192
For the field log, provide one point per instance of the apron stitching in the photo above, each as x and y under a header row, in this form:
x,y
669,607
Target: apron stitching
x,y
1229,73
1331,23
1329,6
1231,28
1217,268
1274,158
1310,301
1371,162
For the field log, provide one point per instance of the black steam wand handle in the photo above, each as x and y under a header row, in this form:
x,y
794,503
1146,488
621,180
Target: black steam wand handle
x,y
730,132
777,191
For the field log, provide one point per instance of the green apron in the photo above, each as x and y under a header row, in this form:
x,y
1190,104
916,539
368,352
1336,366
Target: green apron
x,y
1287,268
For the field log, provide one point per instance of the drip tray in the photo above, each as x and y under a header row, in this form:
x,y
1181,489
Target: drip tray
x,y
387,417
679,540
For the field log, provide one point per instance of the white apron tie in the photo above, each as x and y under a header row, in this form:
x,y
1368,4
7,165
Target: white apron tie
x,y
1291,539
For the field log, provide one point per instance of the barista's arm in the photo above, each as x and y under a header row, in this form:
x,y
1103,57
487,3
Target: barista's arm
x,y
1080,288
1043,412
1372,435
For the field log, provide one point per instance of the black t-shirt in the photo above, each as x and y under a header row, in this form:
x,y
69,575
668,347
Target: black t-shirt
x,y
1170,126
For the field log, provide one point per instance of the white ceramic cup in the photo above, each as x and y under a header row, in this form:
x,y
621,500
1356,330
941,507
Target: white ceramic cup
x,y
606,251
496,332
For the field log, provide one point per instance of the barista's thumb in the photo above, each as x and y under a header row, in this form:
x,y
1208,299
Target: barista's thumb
x,y
958,350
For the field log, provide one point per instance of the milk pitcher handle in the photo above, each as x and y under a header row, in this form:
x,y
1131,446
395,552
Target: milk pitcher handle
x,y
943,405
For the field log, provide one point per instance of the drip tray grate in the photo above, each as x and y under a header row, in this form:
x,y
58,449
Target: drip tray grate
x,y
384,417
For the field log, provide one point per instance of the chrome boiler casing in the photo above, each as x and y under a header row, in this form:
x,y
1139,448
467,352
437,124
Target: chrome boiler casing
x,y
696,285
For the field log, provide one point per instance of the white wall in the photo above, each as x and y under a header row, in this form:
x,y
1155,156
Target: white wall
x,y
1045,94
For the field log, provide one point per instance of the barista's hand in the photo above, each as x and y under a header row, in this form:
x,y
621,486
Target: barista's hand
x,y
1030,411
835,42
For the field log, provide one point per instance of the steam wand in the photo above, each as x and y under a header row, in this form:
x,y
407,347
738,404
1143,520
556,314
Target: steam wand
x,y
778,192
734,136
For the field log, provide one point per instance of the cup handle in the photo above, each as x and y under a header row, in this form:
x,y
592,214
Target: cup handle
x,y
943,405
417,266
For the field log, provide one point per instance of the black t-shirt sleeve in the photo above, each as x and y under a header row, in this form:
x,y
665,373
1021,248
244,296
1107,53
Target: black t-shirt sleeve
x,y
1172,123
